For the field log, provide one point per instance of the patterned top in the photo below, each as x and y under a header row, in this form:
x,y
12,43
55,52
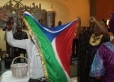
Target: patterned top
x,y
86,53
103,63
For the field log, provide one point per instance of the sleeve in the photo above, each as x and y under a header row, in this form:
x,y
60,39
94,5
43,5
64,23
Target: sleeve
x,y
97,68
16,43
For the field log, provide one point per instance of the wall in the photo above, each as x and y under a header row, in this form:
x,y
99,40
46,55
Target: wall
x,y
93,8
66,11
104,10
2,42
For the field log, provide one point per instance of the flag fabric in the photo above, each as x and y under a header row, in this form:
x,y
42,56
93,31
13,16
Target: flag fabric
x,y
54,45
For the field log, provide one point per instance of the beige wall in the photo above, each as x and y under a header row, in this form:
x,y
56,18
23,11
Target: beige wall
x,y
2,42
66,11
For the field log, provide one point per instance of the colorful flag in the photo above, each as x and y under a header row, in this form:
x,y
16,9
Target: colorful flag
x,y
55,46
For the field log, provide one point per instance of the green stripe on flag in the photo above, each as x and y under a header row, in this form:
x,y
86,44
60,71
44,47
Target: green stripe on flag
x,y
54,70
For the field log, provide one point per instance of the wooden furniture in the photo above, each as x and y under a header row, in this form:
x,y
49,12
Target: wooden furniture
x,y
17,9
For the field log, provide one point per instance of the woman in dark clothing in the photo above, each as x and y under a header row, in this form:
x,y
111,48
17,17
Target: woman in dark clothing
x,y
90,38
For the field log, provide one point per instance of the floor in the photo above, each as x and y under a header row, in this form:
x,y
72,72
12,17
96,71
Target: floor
x,y
3,67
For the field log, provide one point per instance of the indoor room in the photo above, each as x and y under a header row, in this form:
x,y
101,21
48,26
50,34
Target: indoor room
x,y
54,40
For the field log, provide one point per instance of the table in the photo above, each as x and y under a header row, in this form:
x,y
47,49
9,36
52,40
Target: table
x,y
8,77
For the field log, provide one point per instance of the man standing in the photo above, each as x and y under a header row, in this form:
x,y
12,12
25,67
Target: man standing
x,y
36,71
19,35
9,49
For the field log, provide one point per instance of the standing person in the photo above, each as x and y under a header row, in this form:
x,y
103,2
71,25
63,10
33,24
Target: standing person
x,y
89,42
35,66
59,23
40,21
19,35
75,46
103,64
9,49
45,63
3,17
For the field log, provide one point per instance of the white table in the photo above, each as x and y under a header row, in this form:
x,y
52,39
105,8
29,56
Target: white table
x,y
8,77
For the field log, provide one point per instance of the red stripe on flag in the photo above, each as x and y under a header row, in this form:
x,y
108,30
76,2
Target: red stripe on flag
x,y
64,46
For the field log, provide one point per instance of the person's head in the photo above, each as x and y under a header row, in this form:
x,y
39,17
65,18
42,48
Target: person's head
x,y
19,28
40,21
11,19
96,29
9,23
111,23
59,23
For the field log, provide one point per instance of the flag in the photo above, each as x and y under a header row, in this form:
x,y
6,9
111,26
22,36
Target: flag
x,y
54,45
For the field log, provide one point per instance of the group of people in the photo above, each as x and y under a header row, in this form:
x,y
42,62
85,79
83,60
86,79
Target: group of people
x,y
95,52
19,34
36,71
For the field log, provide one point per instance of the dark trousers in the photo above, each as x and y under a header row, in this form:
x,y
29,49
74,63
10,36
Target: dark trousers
x,y
75,48
8,48
36,80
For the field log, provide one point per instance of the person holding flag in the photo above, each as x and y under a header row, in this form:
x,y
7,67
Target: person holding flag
x,y
89,42
102,67
48,61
